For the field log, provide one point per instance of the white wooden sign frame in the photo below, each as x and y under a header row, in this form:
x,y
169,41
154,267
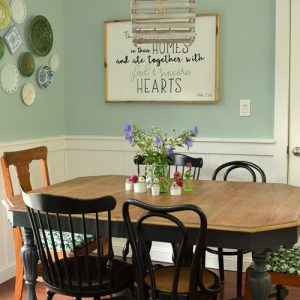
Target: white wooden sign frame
x,y
162,72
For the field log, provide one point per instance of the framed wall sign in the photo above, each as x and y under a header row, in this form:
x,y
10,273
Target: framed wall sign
x,y
162,72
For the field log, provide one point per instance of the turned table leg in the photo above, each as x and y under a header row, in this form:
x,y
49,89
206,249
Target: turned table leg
x,y
30,259
260,280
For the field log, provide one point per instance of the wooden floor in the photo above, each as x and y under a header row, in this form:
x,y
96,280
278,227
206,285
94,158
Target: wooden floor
x,y
7,289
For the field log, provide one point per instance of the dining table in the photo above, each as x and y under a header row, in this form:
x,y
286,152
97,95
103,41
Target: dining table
x,y
258,217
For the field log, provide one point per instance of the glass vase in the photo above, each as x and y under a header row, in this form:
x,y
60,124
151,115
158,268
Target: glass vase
x,y
160,172
187,185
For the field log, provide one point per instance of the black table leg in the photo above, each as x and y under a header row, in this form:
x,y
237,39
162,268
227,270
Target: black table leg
x,y
260,280
30,259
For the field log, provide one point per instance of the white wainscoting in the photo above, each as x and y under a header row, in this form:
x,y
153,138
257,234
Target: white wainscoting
x,y
74,156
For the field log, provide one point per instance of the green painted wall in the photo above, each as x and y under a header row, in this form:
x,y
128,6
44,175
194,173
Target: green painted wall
x,y
46,117
247,35
74,104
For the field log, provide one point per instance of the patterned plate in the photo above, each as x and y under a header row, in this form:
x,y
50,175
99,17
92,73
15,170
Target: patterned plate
x,y
2,47
18,11
45,77
26,64
13,39
9,78
40,35
5,14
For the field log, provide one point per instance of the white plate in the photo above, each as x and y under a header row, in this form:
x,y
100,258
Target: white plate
x,y
55,62
45,77
28,93
18,11
9,78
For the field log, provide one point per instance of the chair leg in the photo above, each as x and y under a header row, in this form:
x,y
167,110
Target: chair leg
x,y
125,251
246,285
221,263
19,282
50,295
239,273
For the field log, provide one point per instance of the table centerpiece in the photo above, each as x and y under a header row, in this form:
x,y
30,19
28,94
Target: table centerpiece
x,y
157,148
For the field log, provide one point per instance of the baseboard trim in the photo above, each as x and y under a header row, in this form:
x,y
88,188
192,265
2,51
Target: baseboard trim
x,y
162,252
7,272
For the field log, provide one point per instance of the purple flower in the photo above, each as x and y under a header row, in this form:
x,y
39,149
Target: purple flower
x,y
128,129
189,142
195,131
158,141
169,151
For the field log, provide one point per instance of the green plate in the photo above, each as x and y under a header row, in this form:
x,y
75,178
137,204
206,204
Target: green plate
x,y
40,35
2,47
26,64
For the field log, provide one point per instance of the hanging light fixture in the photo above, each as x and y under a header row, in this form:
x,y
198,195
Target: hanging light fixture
x,y
163,21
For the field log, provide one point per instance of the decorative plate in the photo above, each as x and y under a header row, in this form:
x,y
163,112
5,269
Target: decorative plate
x,y
18,11
45,77
2,47
9,78
13,39
55,62
40,35
5,14
26,64
28,93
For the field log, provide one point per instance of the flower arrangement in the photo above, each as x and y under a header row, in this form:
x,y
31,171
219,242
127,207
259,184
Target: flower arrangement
x,y
135,179
157,147
177,179
188,173
175,189
188,176
139,183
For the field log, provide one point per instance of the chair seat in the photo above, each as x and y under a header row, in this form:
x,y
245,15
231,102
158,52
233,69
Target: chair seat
x,y
164,279
67,237
120,275
284,260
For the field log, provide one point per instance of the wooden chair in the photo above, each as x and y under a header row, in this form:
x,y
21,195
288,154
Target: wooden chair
x,y
177,281
22,160
82,275
228,167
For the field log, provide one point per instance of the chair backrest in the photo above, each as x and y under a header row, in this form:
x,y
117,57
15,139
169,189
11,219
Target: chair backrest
x,y
252,168
48,214
21,160
178,163
138,238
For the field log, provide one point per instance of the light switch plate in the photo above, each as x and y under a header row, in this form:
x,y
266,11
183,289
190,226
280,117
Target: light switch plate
x,y
245,108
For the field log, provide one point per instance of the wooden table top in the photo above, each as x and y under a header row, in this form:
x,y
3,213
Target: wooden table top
x,y
231,206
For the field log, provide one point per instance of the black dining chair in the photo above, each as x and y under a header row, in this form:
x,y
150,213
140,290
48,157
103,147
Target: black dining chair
x,y
85,275
223,171
176,281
